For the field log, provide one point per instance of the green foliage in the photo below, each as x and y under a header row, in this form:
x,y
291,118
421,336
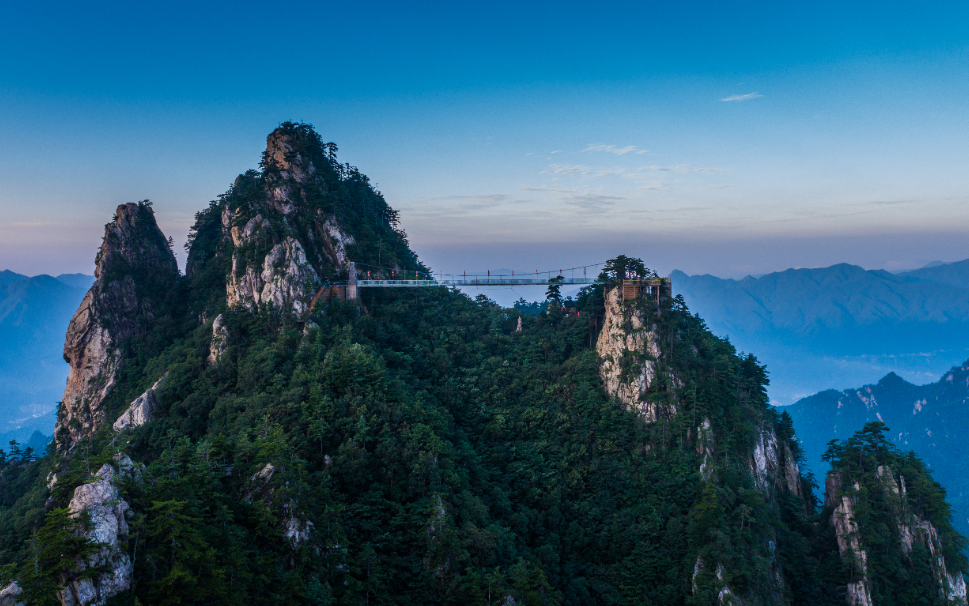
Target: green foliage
x,y
418,450
442,458
623,267
554,292
59,545
871,469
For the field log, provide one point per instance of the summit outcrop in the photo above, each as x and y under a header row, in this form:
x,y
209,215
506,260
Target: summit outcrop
x,y
136,274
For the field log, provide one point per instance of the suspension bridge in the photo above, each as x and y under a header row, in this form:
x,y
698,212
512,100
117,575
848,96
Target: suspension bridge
x,y
368,276
365,277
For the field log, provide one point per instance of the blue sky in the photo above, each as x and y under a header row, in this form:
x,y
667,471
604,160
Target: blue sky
x,y
724,138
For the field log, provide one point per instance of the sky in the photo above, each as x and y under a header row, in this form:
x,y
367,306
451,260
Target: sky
x,y
723,138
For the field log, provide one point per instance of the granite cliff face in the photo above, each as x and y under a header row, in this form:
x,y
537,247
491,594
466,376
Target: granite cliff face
x,y
107,511
911,528
633,370
135,273
628,350
281,247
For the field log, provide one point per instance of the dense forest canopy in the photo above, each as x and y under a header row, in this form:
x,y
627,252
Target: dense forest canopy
x,y
414,447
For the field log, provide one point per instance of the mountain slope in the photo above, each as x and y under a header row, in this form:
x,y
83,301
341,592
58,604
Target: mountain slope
x,y
9,277
272,435
928,419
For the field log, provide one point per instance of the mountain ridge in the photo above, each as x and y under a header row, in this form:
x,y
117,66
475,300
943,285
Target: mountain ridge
x,y
261,431
831,327
924,418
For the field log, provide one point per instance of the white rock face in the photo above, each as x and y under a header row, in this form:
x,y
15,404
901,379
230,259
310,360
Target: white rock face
x,y
627,351
220,340
94,360
295,529
286,279
849,538
912,529
10,595
139,412
766,466
337,242
112,312
103,503
705,448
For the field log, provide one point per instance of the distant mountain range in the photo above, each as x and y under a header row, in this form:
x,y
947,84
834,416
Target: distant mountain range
x,y
34,313
929,419
841,325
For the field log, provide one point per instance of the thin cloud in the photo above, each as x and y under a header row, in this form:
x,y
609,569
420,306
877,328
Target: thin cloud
x,y
612,149
746,97
443,206
679,169
545,188
593,201
34,223
581,170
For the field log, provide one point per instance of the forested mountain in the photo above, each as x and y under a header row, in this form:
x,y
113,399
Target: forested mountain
x,y
837,326
261,431
34,313
893,523
928,419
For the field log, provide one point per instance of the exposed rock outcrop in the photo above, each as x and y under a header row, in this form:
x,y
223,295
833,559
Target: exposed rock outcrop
x,y
285,279
628,350
849,538
220,340
296,529
102,501
135,274
281,246
911,527
773,462
140,411
11,595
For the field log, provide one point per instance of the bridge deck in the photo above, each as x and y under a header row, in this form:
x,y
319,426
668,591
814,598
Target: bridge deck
x,y
492,281
472,281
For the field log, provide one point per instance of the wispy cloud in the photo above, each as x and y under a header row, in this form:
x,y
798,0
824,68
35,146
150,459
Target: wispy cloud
x,y
34,223
746,97
545,188
613,149
446,206
581,170
680,169
592,201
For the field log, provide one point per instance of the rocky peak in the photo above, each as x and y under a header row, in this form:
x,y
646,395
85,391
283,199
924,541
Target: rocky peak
x,y
628,350
282,153
911,527
136,274
281,241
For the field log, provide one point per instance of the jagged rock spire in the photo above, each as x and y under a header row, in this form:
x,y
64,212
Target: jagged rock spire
x,y
281,243
136,272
